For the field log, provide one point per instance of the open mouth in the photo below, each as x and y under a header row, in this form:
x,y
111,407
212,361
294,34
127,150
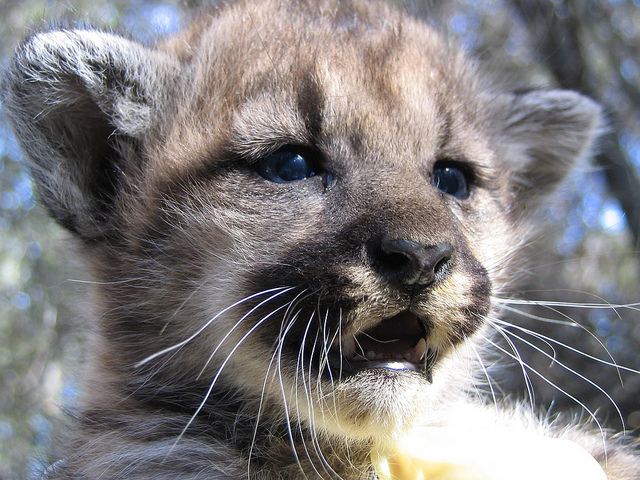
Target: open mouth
x,y
397,343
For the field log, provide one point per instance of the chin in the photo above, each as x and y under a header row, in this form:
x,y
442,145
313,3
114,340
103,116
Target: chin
x,y
374,403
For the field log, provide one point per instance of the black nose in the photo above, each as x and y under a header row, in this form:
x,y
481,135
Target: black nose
x,y
410,264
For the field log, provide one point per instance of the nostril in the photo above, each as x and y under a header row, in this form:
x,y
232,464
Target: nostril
x,y
409,263
408,256
439,255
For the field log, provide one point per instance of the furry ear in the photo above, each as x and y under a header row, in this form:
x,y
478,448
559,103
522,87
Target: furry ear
x,y
77,100
546,133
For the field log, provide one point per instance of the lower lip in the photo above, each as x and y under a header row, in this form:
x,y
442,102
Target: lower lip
x,y
344,366
391,365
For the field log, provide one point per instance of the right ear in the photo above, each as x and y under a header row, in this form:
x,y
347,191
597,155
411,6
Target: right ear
x,y
545,133
77,101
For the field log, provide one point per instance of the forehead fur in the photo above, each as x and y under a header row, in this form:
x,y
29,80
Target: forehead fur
x,y
259,74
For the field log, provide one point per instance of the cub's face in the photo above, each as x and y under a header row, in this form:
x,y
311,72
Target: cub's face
x,y
350,204
310,215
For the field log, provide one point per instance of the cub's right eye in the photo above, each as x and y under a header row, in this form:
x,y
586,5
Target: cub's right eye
x,y
285,166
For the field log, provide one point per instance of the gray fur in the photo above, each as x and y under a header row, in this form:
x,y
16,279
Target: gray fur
x,y
71,93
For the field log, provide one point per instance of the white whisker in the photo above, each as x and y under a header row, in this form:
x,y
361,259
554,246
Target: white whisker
x,y
543,378
237,324
219,372
323,363
304,378
515,356
267,375
485,372
549,340
589,306
570,323
181,344
285,405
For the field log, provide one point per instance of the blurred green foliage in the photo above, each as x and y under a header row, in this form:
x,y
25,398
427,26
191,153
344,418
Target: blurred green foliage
x,y
587,256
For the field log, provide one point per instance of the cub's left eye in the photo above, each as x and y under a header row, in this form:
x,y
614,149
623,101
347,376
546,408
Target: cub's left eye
x,y
451,180
285,166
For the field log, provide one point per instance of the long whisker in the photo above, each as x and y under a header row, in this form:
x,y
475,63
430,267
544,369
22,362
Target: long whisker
x,y
554,321
571,323
267,375
515,356
189,339
339,336
301,374
259,413
570,370
219,372
566,367
485,372
323,363
542,377
590,306
549,340
285,404
328,341
237,324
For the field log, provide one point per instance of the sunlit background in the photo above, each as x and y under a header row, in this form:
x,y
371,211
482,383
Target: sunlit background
x,y
587,253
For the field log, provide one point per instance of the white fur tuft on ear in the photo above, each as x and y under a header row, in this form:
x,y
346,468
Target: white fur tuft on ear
x,y
122,77
75,98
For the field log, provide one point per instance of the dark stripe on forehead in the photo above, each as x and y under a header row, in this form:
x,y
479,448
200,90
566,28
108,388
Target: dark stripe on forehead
x,y
310,100
446,129
379,60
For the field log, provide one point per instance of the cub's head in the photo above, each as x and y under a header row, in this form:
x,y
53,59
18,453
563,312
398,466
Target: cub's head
x,y
300,208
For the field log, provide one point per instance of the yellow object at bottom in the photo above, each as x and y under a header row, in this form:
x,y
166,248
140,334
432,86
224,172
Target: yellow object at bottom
x,y
438,453
399,466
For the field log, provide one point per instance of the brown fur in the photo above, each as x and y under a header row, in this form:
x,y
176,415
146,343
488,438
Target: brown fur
x,y
219,292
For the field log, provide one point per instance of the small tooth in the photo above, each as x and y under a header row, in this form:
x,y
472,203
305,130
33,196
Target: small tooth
x,y
420,349
349,346
429,376
370,355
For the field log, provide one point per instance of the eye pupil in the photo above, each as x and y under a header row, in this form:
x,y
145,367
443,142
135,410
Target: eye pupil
x,y
285,166
452,181
293,168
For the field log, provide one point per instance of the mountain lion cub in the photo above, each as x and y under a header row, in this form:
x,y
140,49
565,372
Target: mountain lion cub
x,y
297,215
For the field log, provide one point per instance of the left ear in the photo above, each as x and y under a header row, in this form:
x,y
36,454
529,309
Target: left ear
x,y
544,134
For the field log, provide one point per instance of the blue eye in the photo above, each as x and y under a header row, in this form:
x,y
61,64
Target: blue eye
x,y
285,166
452,181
